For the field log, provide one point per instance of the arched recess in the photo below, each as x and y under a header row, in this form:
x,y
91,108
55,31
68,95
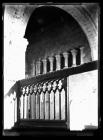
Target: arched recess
x,y
82,18
80,14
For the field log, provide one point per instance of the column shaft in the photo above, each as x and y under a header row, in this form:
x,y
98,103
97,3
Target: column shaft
x,y
51,63
65,54
58,62
44,66
74,53
38,68
82,55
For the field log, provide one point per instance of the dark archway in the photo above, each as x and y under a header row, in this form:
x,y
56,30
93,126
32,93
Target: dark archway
x,y
51,31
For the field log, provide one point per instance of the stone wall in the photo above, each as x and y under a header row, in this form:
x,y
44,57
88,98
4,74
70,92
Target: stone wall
x,y
83,100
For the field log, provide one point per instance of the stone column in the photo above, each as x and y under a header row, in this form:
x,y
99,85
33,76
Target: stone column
x,y
33,68
44,66
66,54
38,67
74,53
58,62
82,55
51,59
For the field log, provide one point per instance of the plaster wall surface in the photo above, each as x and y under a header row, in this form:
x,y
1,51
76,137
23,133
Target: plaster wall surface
x,y
83,100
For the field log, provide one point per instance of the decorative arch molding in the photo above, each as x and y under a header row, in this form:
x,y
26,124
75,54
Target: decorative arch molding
x,y
79,13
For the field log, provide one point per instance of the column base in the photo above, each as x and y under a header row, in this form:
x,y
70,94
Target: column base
x,y
66,67
74,65
58,69
51,71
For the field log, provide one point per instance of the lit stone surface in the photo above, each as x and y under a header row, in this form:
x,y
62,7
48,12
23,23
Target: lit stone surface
x,y
51,63
57,105
63,104
58,62
21,107
14,45
44,66
37,105
82,54
42,105
74,53
83,100
8,111
33,106
51,105
66,54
